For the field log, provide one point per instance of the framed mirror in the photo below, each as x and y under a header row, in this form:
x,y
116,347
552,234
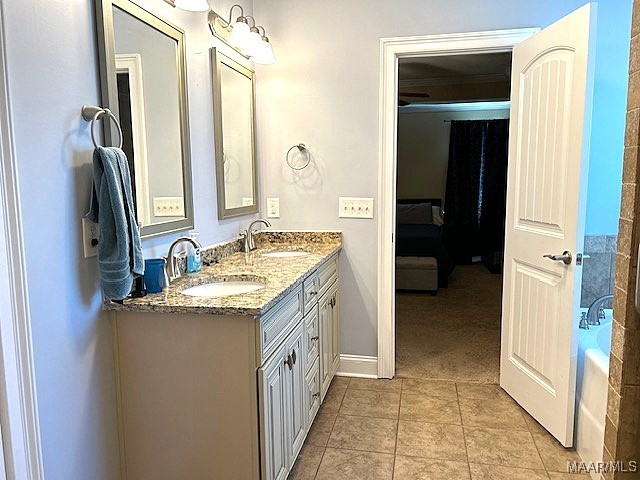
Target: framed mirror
x,y
144,83
236,177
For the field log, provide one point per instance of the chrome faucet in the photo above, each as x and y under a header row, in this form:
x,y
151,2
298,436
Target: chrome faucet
x,y
249,243
172,267
596,310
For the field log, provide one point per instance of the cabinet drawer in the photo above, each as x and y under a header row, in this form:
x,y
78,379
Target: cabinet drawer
x,y
311,289
278,322
327,274
313,392
312,336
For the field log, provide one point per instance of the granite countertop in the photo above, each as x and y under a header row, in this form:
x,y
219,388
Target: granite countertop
x,y
280,275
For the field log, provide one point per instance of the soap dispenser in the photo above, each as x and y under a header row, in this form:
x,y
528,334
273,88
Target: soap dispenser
x,y
193,256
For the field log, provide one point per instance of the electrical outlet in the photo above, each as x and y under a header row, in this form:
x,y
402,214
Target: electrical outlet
x,y
90,235
273,207
168,206
352,207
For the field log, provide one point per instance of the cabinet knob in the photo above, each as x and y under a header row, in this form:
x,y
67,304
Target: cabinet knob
x,y
316,395
289,362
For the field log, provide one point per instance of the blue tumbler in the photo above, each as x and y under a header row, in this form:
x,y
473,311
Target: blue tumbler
x,y
154,274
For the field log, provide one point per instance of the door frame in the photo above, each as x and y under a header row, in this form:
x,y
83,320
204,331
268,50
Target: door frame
x,y
392,49
19,424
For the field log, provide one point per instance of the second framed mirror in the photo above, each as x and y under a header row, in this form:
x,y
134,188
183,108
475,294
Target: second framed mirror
x,y
233,98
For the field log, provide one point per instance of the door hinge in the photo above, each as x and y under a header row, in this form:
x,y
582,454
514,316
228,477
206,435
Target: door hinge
x,y
579,259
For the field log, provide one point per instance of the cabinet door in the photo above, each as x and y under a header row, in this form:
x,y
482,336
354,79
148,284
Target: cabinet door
x,y
326,343
273,379
335,328
296,387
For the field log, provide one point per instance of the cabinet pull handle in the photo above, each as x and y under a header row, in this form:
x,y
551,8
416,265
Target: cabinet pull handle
x,y
315,339
313,292
293,356
289,362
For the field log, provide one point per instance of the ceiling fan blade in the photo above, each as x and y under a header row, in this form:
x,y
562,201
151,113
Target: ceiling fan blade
x,y
414,94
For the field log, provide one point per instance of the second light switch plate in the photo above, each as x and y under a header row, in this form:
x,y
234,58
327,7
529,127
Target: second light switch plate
x,y
354,207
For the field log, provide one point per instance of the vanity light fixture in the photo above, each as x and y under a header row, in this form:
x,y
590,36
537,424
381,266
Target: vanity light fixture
x,y
249,41
190,5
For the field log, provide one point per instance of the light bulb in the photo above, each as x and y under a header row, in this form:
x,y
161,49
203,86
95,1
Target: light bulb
x,y
264,54
239,34
253,43
192,5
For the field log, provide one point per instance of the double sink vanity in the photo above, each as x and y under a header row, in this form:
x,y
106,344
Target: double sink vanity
x,y
221,374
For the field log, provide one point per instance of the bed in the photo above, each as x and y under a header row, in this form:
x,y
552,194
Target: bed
x,y
418,236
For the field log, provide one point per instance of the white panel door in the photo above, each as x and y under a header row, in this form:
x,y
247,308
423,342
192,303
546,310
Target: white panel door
x,y
552,80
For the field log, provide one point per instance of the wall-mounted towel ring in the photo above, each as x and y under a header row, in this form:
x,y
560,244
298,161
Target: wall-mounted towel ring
x,y
302,148
92,113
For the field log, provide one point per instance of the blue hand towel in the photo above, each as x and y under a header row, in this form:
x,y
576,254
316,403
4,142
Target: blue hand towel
x,y
119,249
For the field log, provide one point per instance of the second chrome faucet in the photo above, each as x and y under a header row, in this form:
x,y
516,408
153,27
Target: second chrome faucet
x,y
249,243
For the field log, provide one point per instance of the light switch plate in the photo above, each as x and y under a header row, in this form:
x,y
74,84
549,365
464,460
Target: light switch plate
x,y
90,235
354,207
273,207
168,207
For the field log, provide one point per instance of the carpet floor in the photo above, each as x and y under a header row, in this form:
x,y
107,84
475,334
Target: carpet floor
x,y
454,335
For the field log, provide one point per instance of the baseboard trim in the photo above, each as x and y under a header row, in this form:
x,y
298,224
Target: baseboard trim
x,y
358,366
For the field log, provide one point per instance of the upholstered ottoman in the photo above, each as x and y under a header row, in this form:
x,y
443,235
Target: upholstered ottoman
x,y
417,273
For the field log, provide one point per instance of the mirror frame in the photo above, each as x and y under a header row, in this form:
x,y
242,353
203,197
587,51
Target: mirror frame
x,y
217,60
109,94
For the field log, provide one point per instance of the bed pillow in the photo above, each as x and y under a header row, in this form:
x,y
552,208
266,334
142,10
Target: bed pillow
x,y
438,217
414,214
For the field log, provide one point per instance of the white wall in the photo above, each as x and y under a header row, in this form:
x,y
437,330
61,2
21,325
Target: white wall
x,y
53,71
323,91
423,149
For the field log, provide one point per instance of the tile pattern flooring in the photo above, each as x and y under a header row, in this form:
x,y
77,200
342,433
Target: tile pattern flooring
x,y
414,429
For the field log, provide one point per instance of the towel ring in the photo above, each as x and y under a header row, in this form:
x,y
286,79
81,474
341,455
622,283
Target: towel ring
x,y
93,114
302,148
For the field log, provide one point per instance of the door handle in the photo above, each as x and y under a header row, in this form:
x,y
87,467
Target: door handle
x,y
289,362
566,257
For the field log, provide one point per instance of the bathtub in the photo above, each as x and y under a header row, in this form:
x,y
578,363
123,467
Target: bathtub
x,y
592,385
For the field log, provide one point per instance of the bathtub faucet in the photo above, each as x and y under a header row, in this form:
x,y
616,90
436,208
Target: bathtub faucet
x,y
596,310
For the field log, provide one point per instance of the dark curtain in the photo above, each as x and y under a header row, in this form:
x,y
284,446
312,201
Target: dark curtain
x,y
493,199
461,228
475,194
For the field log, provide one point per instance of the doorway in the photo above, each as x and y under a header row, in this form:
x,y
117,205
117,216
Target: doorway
x,y
393,51
452,140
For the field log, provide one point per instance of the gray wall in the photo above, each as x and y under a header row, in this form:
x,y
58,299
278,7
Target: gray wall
x,y
323,91
53,71
423,149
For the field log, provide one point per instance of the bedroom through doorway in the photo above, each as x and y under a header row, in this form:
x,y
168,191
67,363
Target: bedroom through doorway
x,y
453,124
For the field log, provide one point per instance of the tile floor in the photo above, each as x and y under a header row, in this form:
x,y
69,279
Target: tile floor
x,y
413,429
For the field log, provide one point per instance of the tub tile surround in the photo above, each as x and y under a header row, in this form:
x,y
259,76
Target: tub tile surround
x,y
370,444
598,272
225,260
622,430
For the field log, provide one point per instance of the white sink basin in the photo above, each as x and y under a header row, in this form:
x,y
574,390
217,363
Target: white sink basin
x,y
223,289
286,253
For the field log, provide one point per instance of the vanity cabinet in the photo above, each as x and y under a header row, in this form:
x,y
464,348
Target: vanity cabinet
x,y
227,396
